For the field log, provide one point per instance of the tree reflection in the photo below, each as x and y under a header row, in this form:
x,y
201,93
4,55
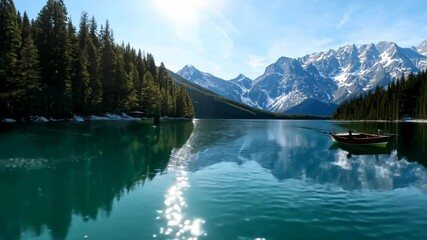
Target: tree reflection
x,y
50,172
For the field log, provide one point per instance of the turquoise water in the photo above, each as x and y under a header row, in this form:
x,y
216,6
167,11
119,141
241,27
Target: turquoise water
x,y
210,179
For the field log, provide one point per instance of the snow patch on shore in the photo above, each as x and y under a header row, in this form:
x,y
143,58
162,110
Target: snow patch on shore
x,y
77,118
8,120
416,120
39,119
109,116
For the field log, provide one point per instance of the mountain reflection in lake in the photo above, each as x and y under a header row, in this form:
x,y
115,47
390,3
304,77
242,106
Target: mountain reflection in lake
x,y
293,150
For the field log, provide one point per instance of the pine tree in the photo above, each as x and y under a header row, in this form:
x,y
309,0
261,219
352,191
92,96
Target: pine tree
x,y
140,67
130,63
81,80
189,111
93,33
10,40
25,28
28,78
121,85
107,68
54,49
151,64
181,103
151,96
95,97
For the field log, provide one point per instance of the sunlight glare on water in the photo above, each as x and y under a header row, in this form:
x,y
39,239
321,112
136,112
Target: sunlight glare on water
x,y
179,225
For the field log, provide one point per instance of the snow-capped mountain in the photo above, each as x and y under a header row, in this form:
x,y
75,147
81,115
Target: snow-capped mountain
x,y
329,76
287,83
233,89
422,48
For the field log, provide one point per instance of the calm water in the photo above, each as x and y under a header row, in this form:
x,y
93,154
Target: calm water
x,y
210,179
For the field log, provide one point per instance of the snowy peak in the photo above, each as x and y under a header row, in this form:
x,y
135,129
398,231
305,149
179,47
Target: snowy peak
x,y
290,65
189,69
242,81
240,78
422,48
281,66
189,72
229,89
384,45
368,55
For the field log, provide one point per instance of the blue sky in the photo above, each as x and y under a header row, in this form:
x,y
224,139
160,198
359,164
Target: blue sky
x,y
228,37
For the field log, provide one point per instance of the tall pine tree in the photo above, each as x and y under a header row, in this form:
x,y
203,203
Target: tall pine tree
x,y
29,73
95,97
52,42
10,40
108,68
81,79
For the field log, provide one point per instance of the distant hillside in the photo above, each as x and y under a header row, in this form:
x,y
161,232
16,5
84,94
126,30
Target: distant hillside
x,y
313,107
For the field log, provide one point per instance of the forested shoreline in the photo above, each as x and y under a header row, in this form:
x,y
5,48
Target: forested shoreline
x,y
48,68
404,98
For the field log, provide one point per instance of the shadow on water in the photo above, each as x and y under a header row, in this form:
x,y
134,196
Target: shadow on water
x,y
48,172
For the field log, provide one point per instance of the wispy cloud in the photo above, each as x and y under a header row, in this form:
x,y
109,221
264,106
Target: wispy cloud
x,y
344,20
224,27
227,45
255,61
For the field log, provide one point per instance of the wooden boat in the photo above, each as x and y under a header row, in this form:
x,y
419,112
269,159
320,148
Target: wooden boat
x,y
361,138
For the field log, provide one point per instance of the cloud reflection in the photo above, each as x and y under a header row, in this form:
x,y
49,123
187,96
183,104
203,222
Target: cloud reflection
x,y
381,171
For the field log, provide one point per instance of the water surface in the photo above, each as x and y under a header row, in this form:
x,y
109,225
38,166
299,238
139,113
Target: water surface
x,y
210,179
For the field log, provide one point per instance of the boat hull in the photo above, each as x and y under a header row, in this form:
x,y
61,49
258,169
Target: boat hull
x,y
362,139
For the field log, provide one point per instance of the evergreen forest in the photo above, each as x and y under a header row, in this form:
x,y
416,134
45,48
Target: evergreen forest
x,y
49,68
404,98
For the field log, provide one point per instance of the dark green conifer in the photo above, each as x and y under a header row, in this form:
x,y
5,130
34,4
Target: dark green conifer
x,y
82,89
10,41
52,42
107,68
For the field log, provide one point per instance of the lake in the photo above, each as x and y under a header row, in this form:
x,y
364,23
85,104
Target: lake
x,y
210,179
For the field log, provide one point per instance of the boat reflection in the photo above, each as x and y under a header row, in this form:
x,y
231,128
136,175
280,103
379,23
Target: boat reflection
x,y
360,149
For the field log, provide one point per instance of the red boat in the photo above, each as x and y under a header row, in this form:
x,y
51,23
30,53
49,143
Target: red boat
x,y
361,138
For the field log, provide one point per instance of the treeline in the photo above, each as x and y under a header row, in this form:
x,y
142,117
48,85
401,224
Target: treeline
x,y
403,98
49,68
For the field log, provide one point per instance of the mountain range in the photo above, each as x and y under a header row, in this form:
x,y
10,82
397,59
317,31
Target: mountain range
x,y
209,105
323,78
